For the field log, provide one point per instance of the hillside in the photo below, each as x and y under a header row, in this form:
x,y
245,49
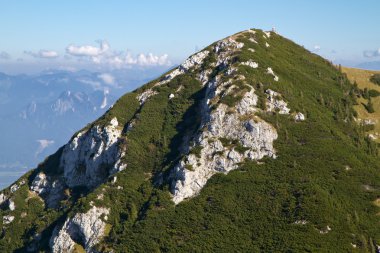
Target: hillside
x,y
362,78
250,145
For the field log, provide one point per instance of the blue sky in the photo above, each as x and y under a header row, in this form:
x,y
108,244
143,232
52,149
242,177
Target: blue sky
x,y
39,33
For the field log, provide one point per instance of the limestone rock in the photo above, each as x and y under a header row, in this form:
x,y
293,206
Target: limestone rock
x,y
191,174
8,219
11,205
3,198
270,72
299,116
251,64
87,228
91,156
275,103
14,188
145,95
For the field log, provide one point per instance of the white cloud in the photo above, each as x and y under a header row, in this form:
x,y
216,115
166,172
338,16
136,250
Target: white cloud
x,y
47,54
43,145
107,78
88,50
371,53
4,55
103,55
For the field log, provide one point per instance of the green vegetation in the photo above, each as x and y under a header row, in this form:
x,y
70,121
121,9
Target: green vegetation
x,y
375,79
327,171
364,91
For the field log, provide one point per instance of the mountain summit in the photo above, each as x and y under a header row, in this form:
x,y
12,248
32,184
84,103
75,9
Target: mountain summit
x,y
250,145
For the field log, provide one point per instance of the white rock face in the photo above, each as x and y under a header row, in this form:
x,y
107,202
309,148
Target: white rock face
x,y
266,44
3,198
237,125
299,116
92,156
8,219
270,72
83,227
275,103
171,96
14,188
11,205
87,160
251,64
193,61
145,95
50,190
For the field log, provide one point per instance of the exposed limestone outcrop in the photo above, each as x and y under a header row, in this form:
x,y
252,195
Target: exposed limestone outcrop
x,y
8,219
251,64
87,160
145,95
14,188
193,61
271,72
84,228
275,103
11,205
3,198
299,116
219,126
92,156
49,189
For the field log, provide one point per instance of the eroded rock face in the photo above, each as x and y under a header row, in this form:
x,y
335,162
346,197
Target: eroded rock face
x,y
3,198
87,160
92,156
220,128
86,228
51,190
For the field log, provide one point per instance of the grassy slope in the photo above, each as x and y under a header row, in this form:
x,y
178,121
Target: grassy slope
x,y
326,172
361,77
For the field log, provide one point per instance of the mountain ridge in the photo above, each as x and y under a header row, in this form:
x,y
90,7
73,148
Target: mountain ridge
x,y
251,132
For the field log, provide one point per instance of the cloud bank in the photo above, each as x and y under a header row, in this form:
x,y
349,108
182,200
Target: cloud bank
x,y
104,55
371,53
4,55
47,54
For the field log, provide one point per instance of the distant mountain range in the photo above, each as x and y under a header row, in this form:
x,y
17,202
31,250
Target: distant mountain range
x,y
39,113
374,65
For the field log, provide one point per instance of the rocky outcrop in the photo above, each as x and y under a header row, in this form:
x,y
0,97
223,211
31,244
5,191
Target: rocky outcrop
x,y
299,116
275,103
85,229
8,219
87,160
51,190
227,137
251,64
195,60
11,205
3,198
92,156
270,72
145,95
